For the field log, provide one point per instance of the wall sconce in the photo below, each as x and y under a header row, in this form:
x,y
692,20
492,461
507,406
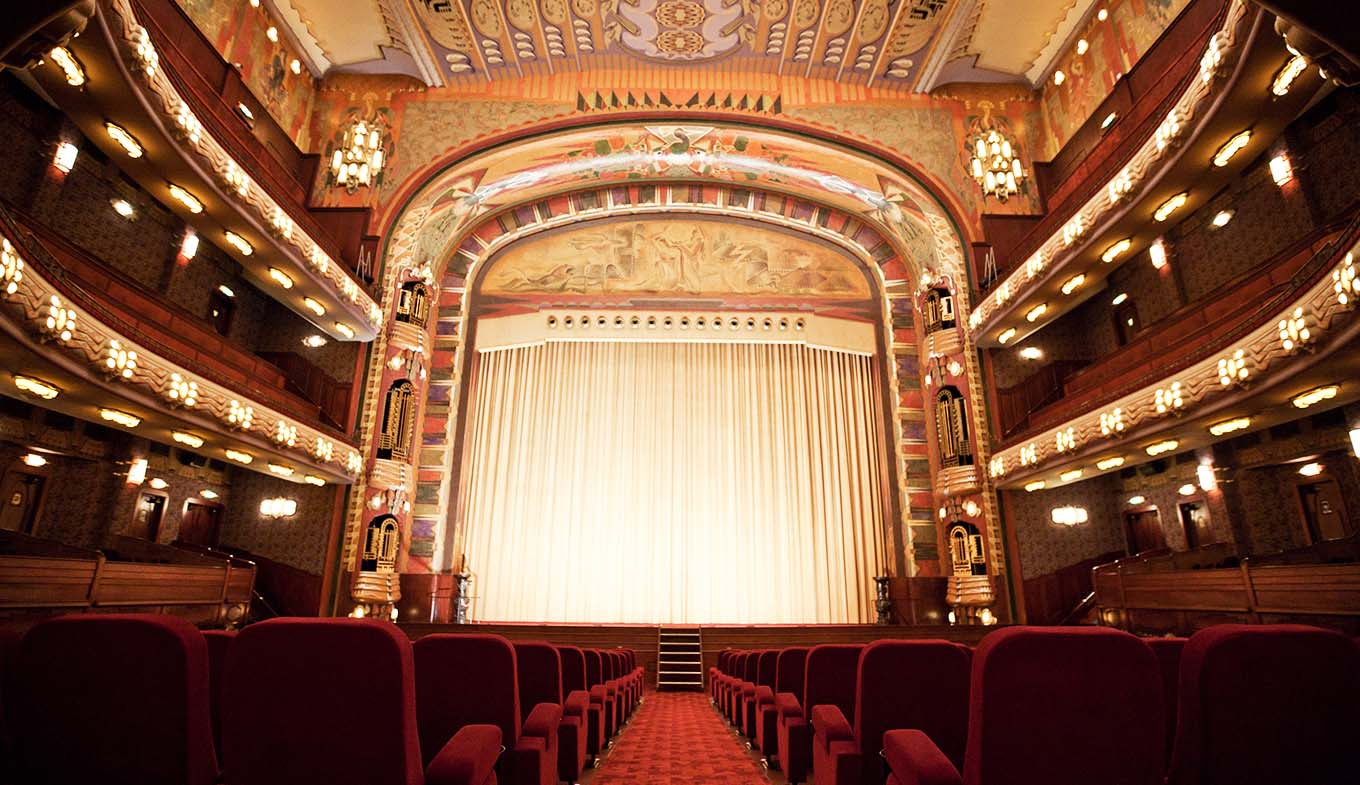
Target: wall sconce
x,y
278,507
1186,490
137,472
34,460
360,154
65,158
1070,516
1355,441
1205,473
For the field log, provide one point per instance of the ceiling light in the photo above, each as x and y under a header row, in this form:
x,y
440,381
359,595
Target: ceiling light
x,y
1136,500
1110,463
1315,396
1072,283
281,470
1228,426
1170,206
65,157
1291,71
295,66
1221,220
245,113
1070,516
1187,489
1035,312
226,290
187,438
1231,148
1109,120
188,248
129,144
240,243
314,306
312,479
34,460
121,418
1031,353
272,34
158,483
1207,480
1281,170
1114,251
1310,469
281,278
1102,14
1069,476
1059,77
70,67
314,342
1037,485
208,493
1161,447
123,208
344,329
1120,298
240,457
36,387
187,199
1006,335
1157,253
1082,46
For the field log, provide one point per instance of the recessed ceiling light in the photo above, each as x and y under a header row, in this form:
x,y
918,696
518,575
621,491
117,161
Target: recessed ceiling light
x,y
239,457
1036,312
1285,78
1221,220
281,278
312,479
1231,148
344,329
188,439
121,418
1162,447
130,145
36,387
314,306
34,460
1310,469
1108,121
1071,284
281,470
1110,463
1006,335
1037,485
187,199
1068,476
1114,251
1170,206
1120,298
1315,396
70,67
226,290
239,243
1228,426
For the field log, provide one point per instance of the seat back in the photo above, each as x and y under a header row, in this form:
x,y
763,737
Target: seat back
x,y
616,657
573,669
1268,704
1064,704
1168,652
465,680
829,677
765,670
594,667
789,671
112,699
539,669
290,683
219,643
750,670
918,684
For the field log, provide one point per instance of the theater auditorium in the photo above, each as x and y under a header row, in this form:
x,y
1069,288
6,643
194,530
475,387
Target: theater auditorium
x,y
679,392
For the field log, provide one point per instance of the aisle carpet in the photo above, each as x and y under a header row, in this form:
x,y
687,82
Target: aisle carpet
x,y
676,738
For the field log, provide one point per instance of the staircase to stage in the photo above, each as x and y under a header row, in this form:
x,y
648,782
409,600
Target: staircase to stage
x,y
679,658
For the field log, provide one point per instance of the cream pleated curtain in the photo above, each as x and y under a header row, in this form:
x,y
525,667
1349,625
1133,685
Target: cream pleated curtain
x,y
673,483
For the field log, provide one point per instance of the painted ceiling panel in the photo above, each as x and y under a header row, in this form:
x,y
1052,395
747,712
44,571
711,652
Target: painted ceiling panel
x,y
348,31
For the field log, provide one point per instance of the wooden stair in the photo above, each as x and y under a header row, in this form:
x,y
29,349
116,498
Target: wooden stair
x,y
679,658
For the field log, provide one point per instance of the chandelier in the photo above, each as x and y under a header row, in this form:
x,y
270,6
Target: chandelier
x,y
995,163
359,158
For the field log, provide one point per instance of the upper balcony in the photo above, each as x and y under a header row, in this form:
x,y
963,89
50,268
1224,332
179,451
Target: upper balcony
x,y
151,92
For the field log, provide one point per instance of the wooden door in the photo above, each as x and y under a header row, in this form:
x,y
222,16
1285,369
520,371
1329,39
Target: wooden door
x,y
146,519
1195,519
20,494
1324,513
199,524
1126,322
1144,530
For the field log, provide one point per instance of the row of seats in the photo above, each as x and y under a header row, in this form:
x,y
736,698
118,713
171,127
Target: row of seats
x,y
149,700
1232,705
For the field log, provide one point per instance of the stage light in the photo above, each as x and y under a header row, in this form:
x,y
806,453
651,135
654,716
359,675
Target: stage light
x,y
1114,251
1110,463
281,278
1006,335
130,145
239,457
1037,485
1205,473
65,157
314,306
1231,148
1031,353
1036,312
1310,469
1120,298
208,494
123,208
1222,218
1162,447
1315,396
1228,426
1072,283
158,483
188,248
239,243
121,418
1170,206
187,199
1187,489
34,460
344,329
1134,501
36,387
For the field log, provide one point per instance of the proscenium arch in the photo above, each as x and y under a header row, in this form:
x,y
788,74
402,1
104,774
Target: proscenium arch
x,y
457,179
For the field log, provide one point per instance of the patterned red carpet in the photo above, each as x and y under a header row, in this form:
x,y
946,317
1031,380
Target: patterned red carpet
x,y
676,738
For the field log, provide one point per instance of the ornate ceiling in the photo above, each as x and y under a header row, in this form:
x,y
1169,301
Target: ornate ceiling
x,y
910,45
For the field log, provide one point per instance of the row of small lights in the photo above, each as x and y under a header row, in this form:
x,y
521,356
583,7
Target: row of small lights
x,y
272,33
1082,45
1280,167
65,157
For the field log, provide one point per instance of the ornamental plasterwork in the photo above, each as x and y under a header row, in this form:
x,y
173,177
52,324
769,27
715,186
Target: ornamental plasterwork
x,y
1109,200
1263,350
45,313
174,110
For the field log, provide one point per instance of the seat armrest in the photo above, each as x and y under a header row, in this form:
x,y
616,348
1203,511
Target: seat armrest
x,y
542,722
598,694
748,688
468,758
915,760
764,697
786,703
576,704
828,722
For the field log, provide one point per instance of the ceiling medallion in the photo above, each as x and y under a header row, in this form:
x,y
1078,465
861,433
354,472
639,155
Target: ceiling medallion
x,y
679,30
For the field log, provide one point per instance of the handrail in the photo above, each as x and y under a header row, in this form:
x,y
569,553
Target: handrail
x,y
1082,607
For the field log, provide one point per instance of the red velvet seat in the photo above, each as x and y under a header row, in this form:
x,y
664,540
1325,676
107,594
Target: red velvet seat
x,y
466,680
921,685
732,699
219,643
576,689
613,701
539,665
9,650
763,677
745,689
728,678
1267,704
829,680
114,700
599,702
1168,651
788,678
718,670
1049,706
334,701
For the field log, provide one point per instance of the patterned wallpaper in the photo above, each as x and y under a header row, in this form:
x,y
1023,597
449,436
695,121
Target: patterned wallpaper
x,y
299,541
1045,546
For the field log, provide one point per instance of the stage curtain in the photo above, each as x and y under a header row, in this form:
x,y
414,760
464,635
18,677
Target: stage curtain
x,y
674,483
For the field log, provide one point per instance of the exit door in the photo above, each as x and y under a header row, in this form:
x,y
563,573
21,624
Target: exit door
x,y
1324,515
20,494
